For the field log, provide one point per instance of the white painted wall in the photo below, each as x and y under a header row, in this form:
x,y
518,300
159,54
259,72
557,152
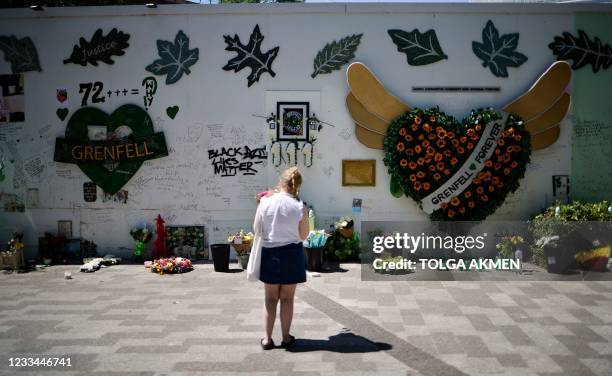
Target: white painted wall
x,y
182,187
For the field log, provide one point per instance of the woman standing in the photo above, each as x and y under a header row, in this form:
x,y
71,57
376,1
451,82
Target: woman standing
x,y
283,221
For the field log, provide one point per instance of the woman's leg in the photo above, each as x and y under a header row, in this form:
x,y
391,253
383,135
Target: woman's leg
x,y
271,301
287,292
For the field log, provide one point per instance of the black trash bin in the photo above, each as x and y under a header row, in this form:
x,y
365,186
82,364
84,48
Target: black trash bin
x,y
221,255
314,258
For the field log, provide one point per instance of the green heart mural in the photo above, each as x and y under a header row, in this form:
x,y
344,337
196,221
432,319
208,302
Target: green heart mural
x,y
110,163
62,113
172,111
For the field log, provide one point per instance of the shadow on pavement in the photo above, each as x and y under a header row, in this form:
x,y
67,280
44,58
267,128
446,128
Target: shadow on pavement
x,y
340,343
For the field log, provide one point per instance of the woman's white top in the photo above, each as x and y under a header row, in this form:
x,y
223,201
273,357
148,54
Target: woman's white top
x,y
280,216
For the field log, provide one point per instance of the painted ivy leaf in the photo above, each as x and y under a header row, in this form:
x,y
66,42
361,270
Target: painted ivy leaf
x,y
335,54
250,56
175,58
498,52
100,48
21,53
582,51
420,48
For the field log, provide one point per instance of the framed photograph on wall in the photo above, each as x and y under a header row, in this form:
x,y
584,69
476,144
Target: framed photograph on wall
x,y
64,228
293,121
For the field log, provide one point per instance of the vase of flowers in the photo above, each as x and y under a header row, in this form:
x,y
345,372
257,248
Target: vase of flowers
x,y
241,242
141,234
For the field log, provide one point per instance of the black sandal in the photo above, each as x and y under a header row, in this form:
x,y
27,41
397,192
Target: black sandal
x,y
287,344
269,346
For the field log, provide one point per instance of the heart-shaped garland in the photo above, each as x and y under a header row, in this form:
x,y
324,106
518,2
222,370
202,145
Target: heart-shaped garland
x,y
427,150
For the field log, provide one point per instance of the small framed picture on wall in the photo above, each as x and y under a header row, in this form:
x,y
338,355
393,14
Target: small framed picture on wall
x,y
293,121
561,188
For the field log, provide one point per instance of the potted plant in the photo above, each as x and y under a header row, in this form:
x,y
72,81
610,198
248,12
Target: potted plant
x,y
241,242
343,244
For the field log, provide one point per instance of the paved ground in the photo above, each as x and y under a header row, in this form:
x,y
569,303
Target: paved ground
x,y
123,320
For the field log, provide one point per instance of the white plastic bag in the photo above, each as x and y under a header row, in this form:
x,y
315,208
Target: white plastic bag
x,y
254,264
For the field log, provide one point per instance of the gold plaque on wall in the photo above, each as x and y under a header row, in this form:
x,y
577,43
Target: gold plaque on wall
x,y
359,172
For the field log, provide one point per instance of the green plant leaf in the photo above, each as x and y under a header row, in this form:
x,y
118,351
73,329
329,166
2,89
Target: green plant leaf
x,y
335,54
21,53
175,58
420,48
498,52
582,51
396,188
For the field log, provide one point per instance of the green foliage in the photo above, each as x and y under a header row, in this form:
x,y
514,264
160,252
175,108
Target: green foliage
x,y
570,218
339,248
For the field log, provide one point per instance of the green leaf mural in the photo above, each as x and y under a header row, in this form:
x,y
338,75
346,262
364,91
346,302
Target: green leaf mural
x,y
498,52
100,48
250,56
175,58
21,53
420,48
335,54
581,50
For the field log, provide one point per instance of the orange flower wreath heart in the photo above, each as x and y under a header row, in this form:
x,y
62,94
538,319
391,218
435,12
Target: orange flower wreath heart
x,y
457,171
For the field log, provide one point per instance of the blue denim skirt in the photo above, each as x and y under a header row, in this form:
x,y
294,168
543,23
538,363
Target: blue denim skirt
x,y
283,265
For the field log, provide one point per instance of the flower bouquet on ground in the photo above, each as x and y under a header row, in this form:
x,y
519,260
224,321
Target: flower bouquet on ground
x,y
508,246
241,242
171,265
315,239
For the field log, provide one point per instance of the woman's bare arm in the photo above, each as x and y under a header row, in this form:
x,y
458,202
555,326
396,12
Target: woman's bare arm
x,y
303,227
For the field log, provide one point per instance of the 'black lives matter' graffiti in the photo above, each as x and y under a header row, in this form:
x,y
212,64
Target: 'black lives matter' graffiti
x,y
232,161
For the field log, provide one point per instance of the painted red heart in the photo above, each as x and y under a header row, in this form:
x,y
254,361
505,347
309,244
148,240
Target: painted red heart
x,y
429,154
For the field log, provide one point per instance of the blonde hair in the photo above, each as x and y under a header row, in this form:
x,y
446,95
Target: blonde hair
x,y
291,180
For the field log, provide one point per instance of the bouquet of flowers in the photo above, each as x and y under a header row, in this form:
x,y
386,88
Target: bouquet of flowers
x,y
508,246
345,226
241,241
142,234
315,239
16,242
171,265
